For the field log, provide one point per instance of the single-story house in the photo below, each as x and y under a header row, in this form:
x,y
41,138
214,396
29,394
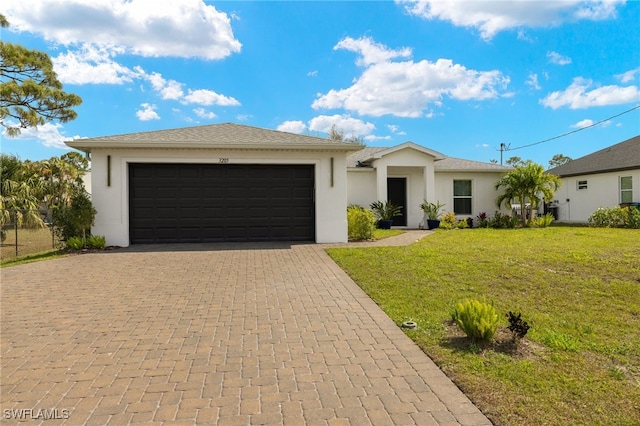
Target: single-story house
x,y
407,174
230,182
605,178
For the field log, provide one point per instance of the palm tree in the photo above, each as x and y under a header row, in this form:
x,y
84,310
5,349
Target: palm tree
x,y
20,193
527,183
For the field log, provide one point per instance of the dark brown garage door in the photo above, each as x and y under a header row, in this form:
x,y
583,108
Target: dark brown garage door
x,y
171,203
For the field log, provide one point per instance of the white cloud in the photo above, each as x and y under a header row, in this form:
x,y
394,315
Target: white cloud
x,y
374,138
172,90
628,76
349,125
208,97
148,112
203,113
532,81
186,28
312,73
558,59
48,134
404,89
583,123
588,123
294,126
578,95
91,65
491,17
371,52
168,89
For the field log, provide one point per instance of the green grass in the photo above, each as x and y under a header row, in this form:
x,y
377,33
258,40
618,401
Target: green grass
x,y
578,288
48,255
30,242
381,234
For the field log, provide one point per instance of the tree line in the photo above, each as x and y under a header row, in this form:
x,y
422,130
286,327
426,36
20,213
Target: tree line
x,y
34,193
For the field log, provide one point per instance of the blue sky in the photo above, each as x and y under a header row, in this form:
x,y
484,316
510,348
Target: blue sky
x,y
456,77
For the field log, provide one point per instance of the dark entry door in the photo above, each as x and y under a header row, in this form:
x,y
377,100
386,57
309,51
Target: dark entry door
x,y
181,203
397,194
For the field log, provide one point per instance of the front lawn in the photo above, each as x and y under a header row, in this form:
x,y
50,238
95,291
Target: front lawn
x,y
578,288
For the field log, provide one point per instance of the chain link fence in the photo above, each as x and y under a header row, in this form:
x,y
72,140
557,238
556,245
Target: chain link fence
x,y
18,241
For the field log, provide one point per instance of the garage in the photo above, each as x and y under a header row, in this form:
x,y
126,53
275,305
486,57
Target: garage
x,y
189,203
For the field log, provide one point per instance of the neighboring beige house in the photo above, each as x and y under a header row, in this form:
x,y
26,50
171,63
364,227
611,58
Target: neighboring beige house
x,y
606,178
230,182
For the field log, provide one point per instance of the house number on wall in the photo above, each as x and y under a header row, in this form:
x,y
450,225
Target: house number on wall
x,y
224,160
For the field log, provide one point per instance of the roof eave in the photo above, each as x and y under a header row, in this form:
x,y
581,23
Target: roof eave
x,y
88,147
594,172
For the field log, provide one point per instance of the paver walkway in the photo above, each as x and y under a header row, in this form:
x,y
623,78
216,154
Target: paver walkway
x,y
210,334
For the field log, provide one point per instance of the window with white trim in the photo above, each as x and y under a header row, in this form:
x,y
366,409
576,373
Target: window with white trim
x,y
581,184
462,196
626,189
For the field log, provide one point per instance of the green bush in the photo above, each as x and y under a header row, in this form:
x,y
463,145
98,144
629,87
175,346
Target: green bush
x,y
615,217
361,223
503,221
542,221
75,243
96,242
479,320
634,218
74,219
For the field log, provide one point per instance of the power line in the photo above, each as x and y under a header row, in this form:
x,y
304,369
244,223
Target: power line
x,y
508,148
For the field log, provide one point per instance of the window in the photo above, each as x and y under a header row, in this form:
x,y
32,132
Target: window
x,y
626,189
582,184
462,196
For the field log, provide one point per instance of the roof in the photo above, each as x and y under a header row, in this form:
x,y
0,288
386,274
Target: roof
x,y
458,164
622,156
225,135
363,158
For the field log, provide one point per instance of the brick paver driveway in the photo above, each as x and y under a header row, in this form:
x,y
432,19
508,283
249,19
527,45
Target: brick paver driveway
x,y
210,334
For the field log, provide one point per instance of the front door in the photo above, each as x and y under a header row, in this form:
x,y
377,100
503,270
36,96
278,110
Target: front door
x,y
397,194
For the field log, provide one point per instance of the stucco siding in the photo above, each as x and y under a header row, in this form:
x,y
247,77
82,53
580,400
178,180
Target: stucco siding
x,y
483,192
361,186
112,202
602,190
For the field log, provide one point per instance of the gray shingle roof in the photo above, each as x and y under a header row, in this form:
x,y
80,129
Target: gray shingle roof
x,y
458,164
446,164
226,135
622,156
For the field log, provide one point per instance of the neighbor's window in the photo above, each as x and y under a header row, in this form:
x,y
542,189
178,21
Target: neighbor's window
x,y
626,189
462,196
582,184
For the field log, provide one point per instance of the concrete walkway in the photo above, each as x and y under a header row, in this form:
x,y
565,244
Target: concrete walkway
x,y
233,334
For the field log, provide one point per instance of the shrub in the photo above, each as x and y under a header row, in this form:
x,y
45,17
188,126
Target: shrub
x,y
483,220
463,223
503,221
75,243
634,218
361,223
479,320
542,221
615,217
96,241
447,220
74,219
517,326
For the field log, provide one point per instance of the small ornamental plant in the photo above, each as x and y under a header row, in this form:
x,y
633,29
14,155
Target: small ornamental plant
x,y
478,320
75,243
517,326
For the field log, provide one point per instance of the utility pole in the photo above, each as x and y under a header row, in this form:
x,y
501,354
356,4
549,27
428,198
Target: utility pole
x,y
503,147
